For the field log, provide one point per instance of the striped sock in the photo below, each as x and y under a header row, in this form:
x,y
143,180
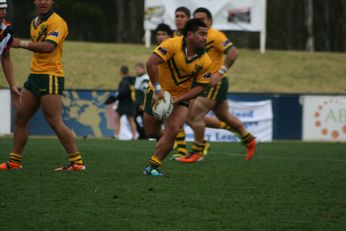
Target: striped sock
x,y
154,162
15,158
181,143
197,148
247,138
75,158
225,126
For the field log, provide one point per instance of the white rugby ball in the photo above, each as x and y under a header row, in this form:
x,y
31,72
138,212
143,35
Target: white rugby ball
x,y
164,107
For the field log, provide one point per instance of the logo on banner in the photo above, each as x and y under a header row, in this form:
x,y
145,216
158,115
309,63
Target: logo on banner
x,y
330,118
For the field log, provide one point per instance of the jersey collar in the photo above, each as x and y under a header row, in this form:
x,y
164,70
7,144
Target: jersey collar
x,y
199,53
45,16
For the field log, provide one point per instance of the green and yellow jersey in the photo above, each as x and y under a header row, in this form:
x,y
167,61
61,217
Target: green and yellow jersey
x,y
177,73
52,29
217,45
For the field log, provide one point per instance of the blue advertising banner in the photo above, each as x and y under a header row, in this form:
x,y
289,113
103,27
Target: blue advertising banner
x,y
85,113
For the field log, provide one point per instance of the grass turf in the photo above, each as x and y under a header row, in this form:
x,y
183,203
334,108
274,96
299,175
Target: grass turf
x,y
287,186
96,66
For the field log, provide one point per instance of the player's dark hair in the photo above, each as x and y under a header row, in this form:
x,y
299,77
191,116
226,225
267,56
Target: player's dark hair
x,y
193,25
203,10
184,10
164,27
124,70
140,65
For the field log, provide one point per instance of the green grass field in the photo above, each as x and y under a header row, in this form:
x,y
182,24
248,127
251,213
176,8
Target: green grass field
x,y
96,66
287,186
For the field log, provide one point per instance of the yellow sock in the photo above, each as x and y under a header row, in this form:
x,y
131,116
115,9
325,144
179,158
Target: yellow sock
x,y
247,138
15,158
75,158
181,143
197,148
223,125
154,162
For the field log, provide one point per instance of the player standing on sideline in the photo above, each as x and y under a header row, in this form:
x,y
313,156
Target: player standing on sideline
x,y
141,85
152,127
126,97
214,98
181,67
6,38
44,86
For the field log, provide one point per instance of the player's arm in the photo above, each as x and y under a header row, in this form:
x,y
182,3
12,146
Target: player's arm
x,y
194,92
7,66
231,56
153,72
40,47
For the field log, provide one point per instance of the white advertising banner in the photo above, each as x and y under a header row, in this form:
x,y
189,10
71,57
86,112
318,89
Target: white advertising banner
x,y
257,117
231,15
241,15
5,112
324,118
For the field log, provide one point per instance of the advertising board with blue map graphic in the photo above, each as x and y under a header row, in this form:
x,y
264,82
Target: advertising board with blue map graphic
x,y
85,113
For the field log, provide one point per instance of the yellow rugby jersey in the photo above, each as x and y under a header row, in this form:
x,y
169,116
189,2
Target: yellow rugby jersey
x,y
217,45
177,74
175,34
52,29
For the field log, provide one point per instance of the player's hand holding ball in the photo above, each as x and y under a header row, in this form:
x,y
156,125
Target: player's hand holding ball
x,y
162,103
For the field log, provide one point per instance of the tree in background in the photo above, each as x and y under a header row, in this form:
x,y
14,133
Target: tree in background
x,y
292,24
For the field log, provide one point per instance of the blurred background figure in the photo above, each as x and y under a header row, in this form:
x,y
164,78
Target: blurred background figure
x,y
182,15
141,85
163,32
126,104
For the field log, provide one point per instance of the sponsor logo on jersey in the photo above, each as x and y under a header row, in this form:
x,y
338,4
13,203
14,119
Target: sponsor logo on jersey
x,y
54,34
162,50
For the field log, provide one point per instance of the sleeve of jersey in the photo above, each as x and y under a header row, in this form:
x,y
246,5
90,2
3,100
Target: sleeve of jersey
x,y
57,32
223,43
9,31
164,50
204,75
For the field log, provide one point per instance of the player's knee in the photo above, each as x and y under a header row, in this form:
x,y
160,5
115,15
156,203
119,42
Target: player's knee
x,y
21,119
172,129
151,133
223,117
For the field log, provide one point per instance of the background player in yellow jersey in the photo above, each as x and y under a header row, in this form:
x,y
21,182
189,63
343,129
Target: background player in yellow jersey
x,y
214,98
6,38
181,67
182,15
152,127
44,86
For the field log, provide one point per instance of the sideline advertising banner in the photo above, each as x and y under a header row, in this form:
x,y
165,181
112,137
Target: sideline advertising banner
x,y
5,111
257,117
85,113
324,118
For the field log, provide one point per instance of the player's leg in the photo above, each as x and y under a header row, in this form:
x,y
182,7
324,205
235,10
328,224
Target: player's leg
x,y
152,127
117,117
180,142
172,126
133,126
222,112
200,108
25,110
52,108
